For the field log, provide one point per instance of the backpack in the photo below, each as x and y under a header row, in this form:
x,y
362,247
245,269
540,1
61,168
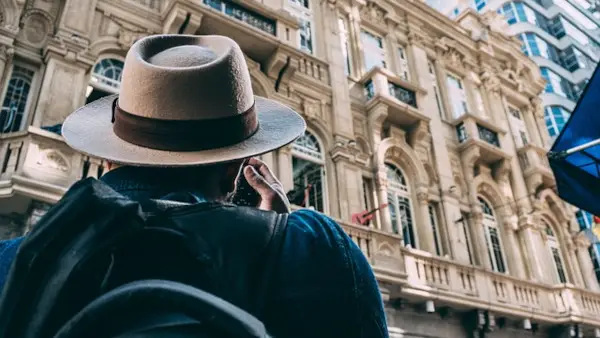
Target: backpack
x,y
101,265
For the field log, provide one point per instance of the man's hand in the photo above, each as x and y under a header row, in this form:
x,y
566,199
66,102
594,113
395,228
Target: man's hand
x,y
261,179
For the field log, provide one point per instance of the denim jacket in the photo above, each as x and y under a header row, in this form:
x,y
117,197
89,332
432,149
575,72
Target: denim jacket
x,y
324,286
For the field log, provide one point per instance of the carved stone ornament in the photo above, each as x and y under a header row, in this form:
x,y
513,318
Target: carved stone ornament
x,y
454,58
37,25
127,38
52,159
311,108
373,13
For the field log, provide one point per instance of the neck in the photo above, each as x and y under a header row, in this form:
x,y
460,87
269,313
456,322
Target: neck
x,y
137,182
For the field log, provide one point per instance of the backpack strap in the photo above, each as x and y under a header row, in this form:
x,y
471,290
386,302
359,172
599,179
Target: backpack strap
x,y
272,263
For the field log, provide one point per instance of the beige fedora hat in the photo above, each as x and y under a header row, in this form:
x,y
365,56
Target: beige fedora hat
x,y
184,100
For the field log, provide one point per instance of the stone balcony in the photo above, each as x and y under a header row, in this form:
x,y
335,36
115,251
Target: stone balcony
x,y
266,35
38,164
422,277
478,136
536,168
399,98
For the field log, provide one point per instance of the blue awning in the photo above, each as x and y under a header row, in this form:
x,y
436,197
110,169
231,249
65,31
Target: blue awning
x,y
575,155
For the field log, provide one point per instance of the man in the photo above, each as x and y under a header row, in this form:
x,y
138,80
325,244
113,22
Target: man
x,y
184,126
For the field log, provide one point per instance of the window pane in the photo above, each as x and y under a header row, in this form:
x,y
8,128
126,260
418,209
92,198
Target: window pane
x,y
562,278
308,184
373,50
497,250
434,228
15,99
457,96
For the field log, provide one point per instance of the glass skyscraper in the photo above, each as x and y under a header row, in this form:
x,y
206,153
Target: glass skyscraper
x,y
563,38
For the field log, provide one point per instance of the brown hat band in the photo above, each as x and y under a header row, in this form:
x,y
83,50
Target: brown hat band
x,y
188,135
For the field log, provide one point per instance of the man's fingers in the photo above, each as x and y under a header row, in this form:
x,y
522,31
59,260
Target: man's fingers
x,y
257,182
263,169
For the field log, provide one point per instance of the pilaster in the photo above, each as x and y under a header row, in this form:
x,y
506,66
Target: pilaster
x,y
443,166
6,55
512,249
423,228
63,88
526,237
342,115
538,115
349,179
286,172
480,250
582,243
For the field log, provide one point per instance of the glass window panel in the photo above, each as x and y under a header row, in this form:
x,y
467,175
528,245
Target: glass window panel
x,y
16,98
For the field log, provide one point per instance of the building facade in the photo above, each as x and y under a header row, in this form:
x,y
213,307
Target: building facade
x,y
434,124
563,38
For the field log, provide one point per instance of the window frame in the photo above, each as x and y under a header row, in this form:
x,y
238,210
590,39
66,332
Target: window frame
x,y
552,244
490,221
404,192
305,14
318,161
32,96
465,100
102,86
436,88
384,52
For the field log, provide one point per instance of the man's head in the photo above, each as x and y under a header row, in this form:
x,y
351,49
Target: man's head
x,y
186,106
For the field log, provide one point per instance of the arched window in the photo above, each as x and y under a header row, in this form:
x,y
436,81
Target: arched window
x,y
16,98
554,249
492,238
400,207
106,79
309,173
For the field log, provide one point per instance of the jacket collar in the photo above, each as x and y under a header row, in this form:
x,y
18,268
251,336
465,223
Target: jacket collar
x,y
137,184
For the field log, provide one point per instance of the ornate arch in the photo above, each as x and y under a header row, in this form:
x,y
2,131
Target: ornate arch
x,y
402,155
555,204
489,190
261,82
9,13
106,45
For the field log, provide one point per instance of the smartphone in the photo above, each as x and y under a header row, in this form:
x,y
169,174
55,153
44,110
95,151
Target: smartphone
x,y
244,194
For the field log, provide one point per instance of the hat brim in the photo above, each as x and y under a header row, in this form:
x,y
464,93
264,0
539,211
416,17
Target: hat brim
x,y
90,131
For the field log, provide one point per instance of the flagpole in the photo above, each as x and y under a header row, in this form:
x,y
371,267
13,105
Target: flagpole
x,y
562,154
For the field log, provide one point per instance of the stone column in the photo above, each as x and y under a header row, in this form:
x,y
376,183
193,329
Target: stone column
x,y
571,264
514,257
381,186
356,49
286,172
538,115
480,249
529,115
349,182
342,114
78,17
423,228
6,55
63,88
585,262
449,204
531,256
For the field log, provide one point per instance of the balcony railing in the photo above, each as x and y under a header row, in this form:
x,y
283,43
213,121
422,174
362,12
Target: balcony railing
x,y
404,95
422,274
39,161
242,14
488,135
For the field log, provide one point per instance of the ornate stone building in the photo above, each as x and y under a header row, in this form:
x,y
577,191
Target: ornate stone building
x,y
438,119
